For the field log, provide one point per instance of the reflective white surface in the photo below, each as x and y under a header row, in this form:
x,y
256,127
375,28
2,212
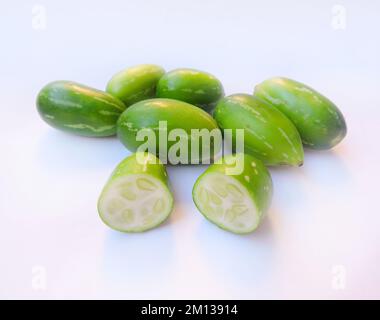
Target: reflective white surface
x,y
321,237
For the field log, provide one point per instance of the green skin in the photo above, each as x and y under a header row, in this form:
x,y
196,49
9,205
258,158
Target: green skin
x,y
131,165
192,86
79,109
268,134
318,120
259,184
136,83
147,114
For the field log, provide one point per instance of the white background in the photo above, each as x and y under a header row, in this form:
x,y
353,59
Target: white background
x,y
321,237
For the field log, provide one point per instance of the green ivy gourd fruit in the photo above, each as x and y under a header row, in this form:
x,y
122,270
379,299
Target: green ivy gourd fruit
x,y
75,108
192,86
318,120
136,197
167,127
136,83
268,134
234,201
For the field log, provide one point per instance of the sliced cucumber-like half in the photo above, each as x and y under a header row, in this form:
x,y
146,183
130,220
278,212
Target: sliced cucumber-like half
x,y
135,203
224,201
137,197
234,202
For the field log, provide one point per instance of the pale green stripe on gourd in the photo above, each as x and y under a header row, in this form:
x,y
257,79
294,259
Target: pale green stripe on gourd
x,y
234,200
318,120
75,108
135,83
268,134
136,197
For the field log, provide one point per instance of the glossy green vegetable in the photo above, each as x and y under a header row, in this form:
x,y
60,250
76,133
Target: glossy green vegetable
x,y
136,197
167,124
195,87
268,134
136,83
79,109
234,201
318,120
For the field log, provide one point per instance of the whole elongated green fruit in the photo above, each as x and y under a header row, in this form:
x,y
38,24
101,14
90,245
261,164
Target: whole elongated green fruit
x,y
176,131
136,197
318,120
268,134
235,193
79,109
136,83
195,87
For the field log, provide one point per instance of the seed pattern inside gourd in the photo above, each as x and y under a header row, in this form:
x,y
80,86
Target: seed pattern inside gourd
x,y
225,202
135,201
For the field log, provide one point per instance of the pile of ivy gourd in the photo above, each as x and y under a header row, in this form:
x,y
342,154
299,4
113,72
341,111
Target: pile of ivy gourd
x,y
276,122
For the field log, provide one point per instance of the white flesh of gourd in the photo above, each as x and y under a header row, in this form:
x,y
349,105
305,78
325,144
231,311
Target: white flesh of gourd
x,y
135,202
226,202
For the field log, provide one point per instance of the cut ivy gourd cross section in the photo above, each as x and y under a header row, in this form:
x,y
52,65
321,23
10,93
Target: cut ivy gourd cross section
x,y
234,199
137,197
